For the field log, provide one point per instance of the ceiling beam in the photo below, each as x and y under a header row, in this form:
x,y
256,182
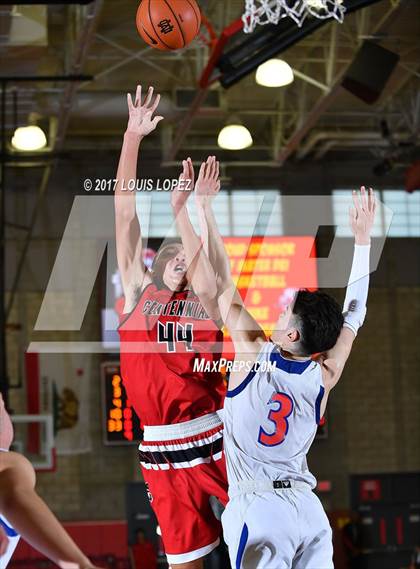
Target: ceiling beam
x,y
140,55
186,123
77,62
396,86
326,100
278,125
78,58
332,54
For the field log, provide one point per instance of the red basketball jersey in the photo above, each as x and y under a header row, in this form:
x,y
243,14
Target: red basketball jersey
x,y
160,340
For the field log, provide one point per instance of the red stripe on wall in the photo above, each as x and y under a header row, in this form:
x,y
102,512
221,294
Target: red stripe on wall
x,y
33,399
400,530
93,538
382,531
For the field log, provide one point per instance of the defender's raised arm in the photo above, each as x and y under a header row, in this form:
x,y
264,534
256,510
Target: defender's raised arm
x,y
141,122
362,217
201,273
242,327
212,240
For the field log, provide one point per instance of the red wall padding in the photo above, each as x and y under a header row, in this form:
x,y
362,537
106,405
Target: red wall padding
x,y
94,539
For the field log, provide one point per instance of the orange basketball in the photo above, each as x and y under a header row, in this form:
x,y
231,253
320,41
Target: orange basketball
x,y
168,24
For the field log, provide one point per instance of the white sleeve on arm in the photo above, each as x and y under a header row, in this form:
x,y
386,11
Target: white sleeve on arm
x,y
357,290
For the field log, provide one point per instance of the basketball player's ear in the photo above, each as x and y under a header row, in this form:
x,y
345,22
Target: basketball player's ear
x,y
293,335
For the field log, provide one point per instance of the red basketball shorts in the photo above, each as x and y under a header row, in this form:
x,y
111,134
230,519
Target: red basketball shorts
x,y
183,465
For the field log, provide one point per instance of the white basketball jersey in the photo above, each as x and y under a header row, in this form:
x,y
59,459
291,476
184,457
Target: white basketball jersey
x,y
270,419
13,537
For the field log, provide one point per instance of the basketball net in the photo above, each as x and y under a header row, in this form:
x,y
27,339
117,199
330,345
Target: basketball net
x,y
262,12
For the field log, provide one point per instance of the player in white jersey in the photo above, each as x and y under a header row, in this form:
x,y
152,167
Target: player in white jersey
x,y
28,514
273,519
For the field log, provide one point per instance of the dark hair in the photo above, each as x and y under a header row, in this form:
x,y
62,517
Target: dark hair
x,y
166,252
320,318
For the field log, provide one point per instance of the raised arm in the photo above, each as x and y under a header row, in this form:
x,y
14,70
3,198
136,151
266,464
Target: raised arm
x,y
210,234
200,272
246,334
134,274
241,325
362,216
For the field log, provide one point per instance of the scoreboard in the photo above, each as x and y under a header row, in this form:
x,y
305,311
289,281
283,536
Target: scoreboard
x,y
121,426
267,272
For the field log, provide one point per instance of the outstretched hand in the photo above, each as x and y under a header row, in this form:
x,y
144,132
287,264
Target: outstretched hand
x,y
182,191
362,215
141,120
208,182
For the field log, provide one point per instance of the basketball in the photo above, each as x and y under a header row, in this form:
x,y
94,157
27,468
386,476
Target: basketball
x,y
168,24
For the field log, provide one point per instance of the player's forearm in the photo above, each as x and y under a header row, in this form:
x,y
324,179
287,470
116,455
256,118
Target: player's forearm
x,y
35,522
228,298
127,227
202,275
215,246
357,290
125,195
241,325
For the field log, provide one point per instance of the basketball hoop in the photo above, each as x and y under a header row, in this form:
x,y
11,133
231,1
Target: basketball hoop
x,y
262,12
210,39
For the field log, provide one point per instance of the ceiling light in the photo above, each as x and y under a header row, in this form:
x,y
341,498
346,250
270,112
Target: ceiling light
x,y
274,73
29,138
234,137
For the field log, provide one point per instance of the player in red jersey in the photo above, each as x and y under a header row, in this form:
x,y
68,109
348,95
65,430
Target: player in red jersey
x,y
164,329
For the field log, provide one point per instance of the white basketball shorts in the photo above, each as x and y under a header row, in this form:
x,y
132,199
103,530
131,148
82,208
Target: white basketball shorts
x,y
278,529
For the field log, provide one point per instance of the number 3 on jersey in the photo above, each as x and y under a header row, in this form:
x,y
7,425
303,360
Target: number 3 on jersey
x,y
278,416
169,336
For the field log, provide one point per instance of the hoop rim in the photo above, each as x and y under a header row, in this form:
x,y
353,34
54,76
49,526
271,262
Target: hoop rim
x,y
262,12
